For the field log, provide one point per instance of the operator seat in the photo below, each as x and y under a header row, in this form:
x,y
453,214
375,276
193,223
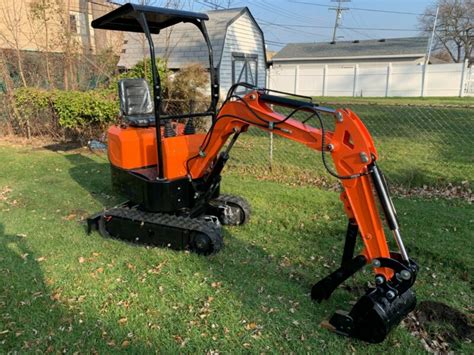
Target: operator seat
x,y
136,105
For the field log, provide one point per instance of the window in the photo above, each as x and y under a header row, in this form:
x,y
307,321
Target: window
x,y
245,68
73,23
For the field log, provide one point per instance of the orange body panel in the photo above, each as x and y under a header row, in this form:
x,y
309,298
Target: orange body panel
x,y
132,148
176,152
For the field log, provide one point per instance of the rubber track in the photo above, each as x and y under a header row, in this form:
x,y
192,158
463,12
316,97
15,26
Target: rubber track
x,y
213,231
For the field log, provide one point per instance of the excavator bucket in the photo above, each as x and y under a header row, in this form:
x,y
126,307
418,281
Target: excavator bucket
x,y
381,308
373,316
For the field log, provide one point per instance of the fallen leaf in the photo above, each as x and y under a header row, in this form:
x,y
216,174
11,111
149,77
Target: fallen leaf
x,y
70,217
122,320
251,326
125,343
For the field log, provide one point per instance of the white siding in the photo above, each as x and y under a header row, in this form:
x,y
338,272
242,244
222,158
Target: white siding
x,y
242,36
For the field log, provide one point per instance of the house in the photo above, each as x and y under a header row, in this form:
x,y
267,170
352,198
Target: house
x,y
349,53
237,41
38,26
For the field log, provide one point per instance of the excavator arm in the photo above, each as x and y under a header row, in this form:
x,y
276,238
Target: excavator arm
x,y
364,196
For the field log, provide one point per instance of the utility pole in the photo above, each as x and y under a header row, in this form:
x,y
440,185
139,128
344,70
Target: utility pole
x,y
339,9
430,43
427,57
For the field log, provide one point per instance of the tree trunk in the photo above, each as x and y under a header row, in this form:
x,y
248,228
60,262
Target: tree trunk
x,y
46,55
20,66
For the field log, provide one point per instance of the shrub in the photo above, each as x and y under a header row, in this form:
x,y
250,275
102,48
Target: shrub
x,y
189,90
77,110
190,83
81,115
66,114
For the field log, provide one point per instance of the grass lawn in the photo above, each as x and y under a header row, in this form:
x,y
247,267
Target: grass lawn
x,y
62,290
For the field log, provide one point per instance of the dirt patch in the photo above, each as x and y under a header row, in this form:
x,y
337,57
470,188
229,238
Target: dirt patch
x,y
15,141
462,191
63,146
439,326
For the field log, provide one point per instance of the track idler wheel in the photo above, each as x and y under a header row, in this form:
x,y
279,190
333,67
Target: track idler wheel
x,y
373,316
233,210
206,244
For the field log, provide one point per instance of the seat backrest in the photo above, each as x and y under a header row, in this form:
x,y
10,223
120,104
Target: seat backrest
x,y
135,98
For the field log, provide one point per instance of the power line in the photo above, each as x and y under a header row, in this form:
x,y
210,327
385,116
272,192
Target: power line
x,y
355,28
267,23
362,9
279,11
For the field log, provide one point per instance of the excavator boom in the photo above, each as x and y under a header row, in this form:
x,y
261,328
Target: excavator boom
x,y
364,196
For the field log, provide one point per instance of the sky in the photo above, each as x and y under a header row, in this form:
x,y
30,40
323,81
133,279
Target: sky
x,y
291,21
286,21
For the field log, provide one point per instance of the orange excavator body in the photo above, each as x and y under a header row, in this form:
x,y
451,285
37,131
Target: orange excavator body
x,y
134,148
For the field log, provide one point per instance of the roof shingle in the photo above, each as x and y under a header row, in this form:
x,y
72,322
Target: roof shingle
x,y
387,47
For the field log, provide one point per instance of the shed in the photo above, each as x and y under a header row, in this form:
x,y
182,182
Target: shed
x,y
237,41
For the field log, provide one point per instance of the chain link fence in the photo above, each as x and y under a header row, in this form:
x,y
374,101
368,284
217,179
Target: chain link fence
x,y
417,146
4,126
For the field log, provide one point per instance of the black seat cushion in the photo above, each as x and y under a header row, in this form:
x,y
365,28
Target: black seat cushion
x,y
140,120
136,105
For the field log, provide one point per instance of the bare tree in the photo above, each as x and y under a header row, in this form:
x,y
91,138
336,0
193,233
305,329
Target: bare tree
x,y
66,41
11,108
11,16
219,4
454,33
41,14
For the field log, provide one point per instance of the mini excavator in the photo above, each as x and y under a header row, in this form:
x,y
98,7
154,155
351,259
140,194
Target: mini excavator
x,y
172,175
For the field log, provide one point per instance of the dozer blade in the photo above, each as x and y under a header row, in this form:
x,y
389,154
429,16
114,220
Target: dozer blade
x,y
373,316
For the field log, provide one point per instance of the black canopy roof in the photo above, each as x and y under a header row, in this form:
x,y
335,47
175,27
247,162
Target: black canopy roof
x,y
124,18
